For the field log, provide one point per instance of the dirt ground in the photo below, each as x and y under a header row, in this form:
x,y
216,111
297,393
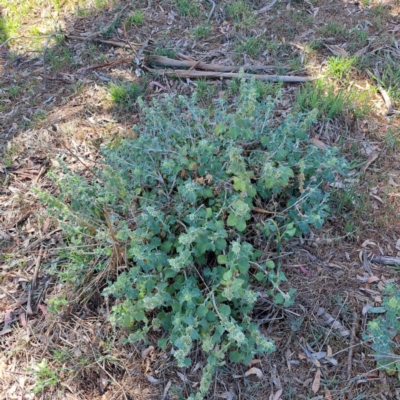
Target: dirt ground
x,y
56,102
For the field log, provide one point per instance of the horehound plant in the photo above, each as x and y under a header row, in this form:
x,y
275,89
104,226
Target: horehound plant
x,y
181,200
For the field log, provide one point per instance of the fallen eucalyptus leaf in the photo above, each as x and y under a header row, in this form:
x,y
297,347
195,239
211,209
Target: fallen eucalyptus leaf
x,y
254,371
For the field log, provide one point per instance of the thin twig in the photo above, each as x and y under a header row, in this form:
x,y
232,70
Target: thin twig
x,y
211,12
262,211
40,240
64,146
28,306
37,265
111,377
352,339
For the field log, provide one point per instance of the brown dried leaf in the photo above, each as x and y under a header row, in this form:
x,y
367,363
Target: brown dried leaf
x,y
7,322
152,380
147,351
103,381
372,157
362,51
46,225
254,371
392,182
328,395
252,362
317,381
337,50
373,279
183,377
22,319
316,142
43,310
278,394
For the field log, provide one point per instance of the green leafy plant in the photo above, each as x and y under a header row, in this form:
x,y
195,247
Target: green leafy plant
x,y
181,200
383,330
56,304
44,376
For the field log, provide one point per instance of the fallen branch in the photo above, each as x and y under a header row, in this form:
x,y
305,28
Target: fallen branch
x,y
385,260
207,74
170,62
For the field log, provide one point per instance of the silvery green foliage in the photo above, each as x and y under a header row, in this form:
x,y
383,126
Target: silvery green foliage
x,y
384,329
181,197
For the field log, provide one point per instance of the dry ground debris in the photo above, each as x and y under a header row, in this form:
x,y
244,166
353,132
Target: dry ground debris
x,y
71,72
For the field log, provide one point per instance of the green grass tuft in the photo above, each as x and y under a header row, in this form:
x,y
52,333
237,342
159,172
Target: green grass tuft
x,y
329,102
125,94
340,67
136,18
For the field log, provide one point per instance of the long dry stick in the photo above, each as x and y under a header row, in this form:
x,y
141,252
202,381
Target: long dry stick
x,y
170,62
206,74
